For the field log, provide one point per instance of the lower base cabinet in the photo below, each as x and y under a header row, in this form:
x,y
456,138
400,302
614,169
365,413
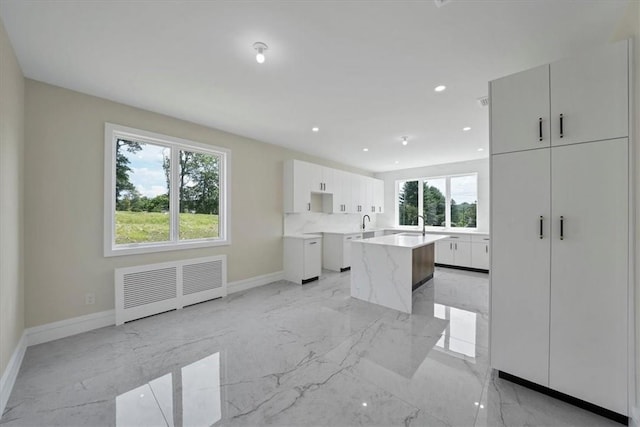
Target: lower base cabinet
x,y
455,250
302,258
336,250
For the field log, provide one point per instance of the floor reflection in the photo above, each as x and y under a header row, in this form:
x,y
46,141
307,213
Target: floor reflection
x,y
189,396
460,334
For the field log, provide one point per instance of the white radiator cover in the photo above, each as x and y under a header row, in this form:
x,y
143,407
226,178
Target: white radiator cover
x,y
154,288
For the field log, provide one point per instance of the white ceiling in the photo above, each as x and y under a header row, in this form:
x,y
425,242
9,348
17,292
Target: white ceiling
x,y
363,71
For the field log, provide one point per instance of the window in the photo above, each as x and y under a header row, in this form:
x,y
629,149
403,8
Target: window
x,y
408,203
449,201
163,193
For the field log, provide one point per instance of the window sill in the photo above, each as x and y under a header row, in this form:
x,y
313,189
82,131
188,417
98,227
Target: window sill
x,y
137,249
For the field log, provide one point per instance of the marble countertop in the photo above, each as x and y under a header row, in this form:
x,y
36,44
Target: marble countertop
x,y
303,236
440,231
403,240
368,230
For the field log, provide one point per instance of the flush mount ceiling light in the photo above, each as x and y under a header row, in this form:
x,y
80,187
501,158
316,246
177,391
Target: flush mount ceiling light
x,y
440,88
365,149
466,128
480,149
315,129
405,140
260,48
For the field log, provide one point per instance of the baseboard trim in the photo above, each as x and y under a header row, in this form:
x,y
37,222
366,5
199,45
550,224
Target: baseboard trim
x,y
66,328
459,267
10,373
254,282
607,413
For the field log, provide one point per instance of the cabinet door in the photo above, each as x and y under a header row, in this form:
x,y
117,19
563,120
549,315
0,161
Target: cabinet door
x,y
314,174
346,248
312,258
520,267
337,190
589,273
480,255
444,252
520,111
591,92
462,253
302,178
378,195
328,180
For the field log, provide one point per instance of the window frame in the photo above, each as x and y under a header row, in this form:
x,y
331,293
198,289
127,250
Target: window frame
x,y
447,211
111,133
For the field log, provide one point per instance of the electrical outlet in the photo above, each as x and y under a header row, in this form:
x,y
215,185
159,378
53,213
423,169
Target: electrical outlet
x,y
89,298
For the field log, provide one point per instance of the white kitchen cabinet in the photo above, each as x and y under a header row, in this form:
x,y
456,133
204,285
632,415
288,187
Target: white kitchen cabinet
x,y
480,252
573,100
520,267
455,251
589,272
560,230
336,250
591,94
378,195
342,192
520,111
297,179
302,258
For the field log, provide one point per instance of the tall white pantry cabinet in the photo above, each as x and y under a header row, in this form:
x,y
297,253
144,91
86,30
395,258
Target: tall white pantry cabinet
x,y
560,227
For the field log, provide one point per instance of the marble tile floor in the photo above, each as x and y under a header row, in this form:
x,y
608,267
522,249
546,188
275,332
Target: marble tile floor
x,y
288,355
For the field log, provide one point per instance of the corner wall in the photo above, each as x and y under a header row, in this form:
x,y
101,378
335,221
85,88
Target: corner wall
x,y
11,207
64,163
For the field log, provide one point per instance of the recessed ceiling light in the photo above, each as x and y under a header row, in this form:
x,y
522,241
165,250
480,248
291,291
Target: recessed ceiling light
x,y
405,140
440,88
365,149
315,129
480,149
260,48
396,162
466,128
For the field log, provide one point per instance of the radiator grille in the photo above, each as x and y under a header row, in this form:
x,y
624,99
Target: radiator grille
x,y
145,290
201,277
146,287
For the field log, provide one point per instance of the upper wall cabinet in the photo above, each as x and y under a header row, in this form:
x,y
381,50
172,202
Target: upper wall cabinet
x,y
590,96
339,191
574,100
520,111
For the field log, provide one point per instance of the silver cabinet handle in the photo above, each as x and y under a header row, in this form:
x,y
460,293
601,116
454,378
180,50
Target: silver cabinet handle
x,y
486,249
450,246
349,238
308,206
312,243
456,246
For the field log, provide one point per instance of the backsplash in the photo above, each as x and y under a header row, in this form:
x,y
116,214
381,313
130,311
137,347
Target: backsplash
x,y
310,222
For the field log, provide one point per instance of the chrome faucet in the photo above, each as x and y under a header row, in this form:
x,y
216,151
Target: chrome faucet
x,y
424,222
367,217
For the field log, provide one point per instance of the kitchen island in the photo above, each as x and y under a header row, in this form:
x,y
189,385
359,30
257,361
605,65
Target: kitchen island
x,y
386,270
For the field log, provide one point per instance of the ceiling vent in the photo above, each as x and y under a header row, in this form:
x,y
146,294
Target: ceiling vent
x,y
483,101
441,3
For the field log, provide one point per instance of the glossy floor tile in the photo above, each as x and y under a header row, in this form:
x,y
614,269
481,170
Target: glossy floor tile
x,y
287,355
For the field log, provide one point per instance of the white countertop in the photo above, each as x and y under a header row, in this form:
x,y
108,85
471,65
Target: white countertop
x,y
403,240
440,231
303,236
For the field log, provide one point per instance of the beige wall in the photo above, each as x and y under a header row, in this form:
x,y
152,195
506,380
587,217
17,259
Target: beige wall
x,y
64,161
629,27
11,198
